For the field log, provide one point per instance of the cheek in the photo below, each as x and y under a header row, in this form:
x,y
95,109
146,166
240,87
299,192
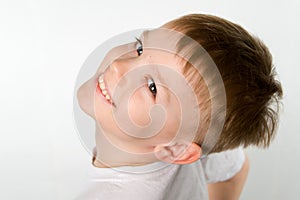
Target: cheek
x,y
172,121
103,115
139,108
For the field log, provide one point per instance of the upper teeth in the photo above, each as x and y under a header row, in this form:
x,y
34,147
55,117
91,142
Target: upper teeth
x,y
103,88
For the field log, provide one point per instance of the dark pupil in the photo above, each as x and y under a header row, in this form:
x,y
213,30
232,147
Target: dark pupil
x,y
152,88
139,50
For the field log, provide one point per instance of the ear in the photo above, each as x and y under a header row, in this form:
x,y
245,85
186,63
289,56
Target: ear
x,y
178,153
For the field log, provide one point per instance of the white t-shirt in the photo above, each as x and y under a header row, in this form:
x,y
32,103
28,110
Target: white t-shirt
x,y
161,181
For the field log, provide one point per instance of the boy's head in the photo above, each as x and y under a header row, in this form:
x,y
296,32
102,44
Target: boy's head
x,y
143,96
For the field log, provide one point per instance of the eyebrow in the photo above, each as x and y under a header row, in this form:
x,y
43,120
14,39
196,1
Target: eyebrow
x,y
141,38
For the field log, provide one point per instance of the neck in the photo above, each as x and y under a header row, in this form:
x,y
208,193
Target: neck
x,y
99,164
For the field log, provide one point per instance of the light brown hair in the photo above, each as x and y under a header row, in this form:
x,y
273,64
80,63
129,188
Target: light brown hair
x,y
246,67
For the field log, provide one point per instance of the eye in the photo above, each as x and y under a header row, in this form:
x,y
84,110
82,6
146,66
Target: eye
x,y
152,86
139,47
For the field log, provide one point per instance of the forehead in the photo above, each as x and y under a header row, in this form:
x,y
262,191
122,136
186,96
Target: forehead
x,y
161,45
183,48
161,38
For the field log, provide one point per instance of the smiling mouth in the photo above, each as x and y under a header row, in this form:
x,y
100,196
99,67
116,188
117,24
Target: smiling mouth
x,y
102,88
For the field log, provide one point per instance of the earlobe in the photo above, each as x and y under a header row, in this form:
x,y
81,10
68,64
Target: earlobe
x,y
178,153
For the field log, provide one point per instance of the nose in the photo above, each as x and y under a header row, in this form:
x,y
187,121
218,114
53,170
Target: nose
x,y
122,65
119,67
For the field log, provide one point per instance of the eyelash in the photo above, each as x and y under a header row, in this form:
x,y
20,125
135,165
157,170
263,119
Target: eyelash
x,y
151,86
139,49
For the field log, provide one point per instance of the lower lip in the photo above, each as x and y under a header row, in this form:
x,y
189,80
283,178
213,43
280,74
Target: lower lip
x,y
100,93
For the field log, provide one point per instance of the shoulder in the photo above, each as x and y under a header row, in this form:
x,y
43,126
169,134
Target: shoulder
x,y
222,166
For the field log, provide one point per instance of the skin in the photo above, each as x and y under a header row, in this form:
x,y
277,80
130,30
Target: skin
x,y
119,145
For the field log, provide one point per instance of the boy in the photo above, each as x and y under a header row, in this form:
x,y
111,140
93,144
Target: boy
x,y
172,100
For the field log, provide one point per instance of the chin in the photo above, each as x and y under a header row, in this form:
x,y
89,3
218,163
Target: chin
x,y
85,96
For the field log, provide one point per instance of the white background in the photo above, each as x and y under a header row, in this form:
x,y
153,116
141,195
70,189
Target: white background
x,y
42,47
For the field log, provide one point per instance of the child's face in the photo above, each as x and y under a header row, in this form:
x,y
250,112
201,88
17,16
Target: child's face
x,y
139,99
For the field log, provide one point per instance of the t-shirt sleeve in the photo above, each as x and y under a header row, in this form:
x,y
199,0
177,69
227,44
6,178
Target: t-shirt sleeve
x,y
222,166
